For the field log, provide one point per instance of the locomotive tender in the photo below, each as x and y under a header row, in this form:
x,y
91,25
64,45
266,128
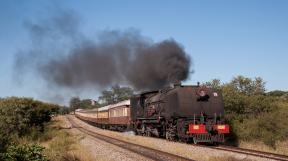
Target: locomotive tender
x,y
186,113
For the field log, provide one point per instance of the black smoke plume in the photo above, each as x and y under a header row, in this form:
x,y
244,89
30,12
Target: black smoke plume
x,y
64,57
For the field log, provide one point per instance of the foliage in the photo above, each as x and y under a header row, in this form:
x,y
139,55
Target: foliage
x,y
64,110
18,115
76,102
282,95
22,117
253,113
88,104
214,83
24,152
116,94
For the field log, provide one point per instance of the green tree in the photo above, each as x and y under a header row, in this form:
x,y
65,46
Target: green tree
x,y
18,116
243,95
248,86
214,83
116,94
64,110
74,103
87,104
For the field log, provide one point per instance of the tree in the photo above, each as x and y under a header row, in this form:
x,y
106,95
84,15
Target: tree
x,y
248,86
88,104
74,103
214,83
18,116
64,110
116,94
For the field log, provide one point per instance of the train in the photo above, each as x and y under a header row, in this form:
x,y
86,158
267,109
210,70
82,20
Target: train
x,y
186,113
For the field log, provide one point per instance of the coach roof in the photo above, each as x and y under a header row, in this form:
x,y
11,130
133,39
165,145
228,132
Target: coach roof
x,y
122,103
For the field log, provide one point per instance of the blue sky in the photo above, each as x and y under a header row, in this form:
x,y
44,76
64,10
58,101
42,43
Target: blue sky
x,y
224,38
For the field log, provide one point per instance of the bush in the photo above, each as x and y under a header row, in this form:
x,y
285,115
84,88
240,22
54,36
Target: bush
x,y
18,115
252,113
24,152
21,117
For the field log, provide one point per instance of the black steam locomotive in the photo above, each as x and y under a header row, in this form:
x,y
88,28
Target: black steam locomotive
x,y
187,113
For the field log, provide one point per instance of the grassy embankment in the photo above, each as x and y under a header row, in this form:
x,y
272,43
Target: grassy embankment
x,y
58,141
28,133
62,144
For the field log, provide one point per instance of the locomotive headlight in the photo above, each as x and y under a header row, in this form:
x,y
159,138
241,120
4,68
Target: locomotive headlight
x,y
221,127
196,127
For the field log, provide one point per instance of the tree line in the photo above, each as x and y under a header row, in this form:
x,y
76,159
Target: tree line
x,y
110,96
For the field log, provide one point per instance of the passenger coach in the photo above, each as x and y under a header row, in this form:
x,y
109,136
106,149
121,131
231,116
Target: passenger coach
x,y
115,116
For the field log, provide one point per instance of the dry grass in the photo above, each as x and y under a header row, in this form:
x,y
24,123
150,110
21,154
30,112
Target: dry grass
x,y
64,145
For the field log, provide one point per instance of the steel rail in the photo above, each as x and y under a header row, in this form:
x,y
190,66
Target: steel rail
x,y
250,152
253,152
150,153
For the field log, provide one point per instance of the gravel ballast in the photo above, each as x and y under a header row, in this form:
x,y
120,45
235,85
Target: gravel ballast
x,y
106,151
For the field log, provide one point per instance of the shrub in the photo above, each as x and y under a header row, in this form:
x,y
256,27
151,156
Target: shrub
x,y
21,117
24,152
18,115
252,113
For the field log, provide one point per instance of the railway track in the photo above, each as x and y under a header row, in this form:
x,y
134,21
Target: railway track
x,y
256,153
160,155
150,153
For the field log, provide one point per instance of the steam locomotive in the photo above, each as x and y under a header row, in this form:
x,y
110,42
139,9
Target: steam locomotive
x,y
185,113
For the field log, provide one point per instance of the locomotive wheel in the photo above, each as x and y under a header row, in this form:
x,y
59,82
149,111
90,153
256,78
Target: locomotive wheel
x,y
143,129
215,143
148,133
170,133
184,139
194,141
167,136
